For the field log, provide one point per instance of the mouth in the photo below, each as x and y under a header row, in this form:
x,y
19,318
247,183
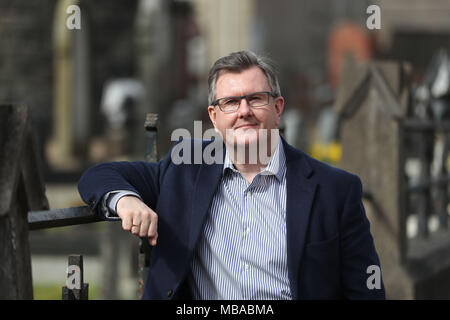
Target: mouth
x,y
246,125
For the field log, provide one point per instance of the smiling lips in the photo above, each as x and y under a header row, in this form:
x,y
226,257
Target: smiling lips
x,y
245,125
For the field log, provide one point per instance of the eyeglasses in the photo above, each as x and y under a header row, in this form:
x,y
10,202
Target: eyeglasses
x,y
254,100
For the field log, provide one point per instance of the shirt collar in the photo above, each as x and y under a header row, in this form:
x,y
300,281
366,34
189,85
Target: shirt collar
x,y
276,166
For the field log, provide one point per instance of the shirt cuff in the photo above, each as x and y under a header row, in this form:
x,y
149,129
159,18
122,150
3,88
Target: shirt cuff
x,y
110,200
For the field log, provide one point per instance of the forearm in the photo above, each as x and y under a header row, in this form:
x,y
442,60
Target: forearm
x,y
138,177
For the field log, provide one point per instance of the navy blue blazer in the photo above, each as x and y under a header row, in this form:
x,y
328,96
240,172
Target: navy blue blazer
x,y
329,244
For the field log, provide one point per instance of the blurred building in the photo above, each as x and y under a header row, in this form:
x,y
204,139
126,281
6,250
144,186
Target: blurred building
x,y
414,31
167,47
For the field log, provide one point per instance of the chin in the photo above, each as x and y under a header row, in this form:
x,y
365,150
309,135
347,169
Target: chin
x,y
246,140
242,137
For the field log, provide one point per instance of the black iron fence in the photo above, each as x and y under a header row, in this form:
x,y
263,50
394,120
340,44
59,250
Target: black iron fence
x,y
426,191
24,208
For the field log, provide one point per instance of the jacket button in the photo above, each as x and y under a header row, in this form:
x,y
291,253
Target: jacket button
x,y
169,293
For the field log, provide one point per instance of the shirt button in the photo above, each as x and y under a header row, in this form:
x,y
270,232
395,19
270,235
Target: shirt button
x,y
247,230
246,267
169,293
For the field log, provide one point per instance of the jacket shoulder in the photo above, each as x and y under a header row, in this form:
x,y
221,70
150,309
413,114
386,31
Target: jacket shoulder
x,y
323,173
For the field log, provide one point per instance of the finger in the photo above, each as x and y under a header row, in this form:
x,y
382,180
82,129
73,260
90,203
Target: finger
x,y
153,228
153,231
135,229
143,230
136,226
127,223
153,240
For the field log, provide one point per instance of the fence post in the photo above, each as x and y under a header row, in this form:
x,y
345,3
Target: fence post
x,y
370,102
21,189
151,155
75,288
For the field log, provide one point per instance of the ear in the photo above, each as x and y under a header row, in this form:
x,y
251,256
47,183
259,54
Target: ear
x,y
279,107
212,115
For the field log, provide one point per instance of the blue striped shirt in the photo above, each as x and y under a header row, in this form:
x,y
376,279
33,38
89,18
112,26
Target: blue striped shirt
x,y
242,254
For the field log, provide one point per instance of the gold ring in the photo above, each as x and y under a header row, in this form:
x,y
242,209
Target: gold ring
x,y
135,225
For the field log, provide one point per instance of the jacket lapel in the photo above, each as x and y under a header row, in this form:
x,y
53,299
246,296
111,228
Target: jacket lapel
x,y
207,180
300,196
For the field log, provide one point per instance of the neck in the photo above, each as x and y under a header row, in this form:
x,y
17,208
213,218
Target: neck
x,y
246,164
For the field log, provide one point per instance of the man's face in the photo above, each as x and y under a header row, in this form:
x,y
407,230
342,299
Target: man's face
x,y
245,123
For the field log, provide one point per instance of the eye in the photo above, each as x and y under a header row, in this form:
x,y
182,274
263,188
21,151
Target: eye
x,y
253,98
256,97
230,102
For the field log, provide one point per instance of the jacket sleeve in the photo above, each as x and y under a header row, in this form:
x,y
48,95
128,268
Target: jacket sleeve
x,y
360,265
139,177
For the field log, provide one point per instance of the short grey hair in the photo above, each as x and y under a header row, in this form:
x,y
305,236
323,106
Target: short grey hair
x,y
240,61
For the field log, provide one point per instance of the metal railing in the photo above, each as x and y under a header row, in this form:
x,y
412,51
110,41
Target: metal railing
x,y
426,194
82,215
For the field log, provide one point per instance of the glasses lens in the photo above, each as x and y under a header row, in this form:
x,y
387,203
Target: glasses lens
x,y
255,100
229,104
258,99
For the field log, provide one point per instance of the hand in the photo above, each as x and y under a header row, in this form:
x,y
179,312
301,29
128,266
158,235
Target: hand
x,y
138,218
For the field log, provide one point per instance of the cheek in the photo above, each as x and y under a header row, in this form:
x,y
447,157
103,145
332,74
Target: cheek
x,y
223,123
276,118
270,120
277,121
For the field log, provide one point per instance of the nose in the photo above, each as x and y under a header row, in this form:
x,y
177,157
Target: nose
x,y
244,109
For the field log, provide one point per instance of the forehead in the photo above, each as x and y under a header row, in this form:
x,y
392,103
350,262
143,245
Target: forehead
x,y
231,83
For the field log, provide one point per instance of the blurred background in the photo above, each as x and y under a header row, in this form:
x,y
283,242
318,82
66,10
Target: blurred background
x,y
88,91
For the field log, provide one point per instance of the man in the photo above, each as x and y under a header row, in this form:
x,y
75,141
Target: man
x,y
289,227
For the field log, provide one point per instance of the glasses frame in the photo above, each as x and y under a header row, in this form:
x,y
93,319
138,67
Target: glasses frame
x,y
216,102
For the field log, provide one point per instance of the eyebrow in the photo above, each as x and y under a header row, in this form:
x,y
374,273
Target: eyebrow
x,y
241,95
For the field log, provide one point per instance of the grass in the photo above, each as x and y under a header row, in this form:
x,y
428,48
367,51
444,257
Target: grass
x,y
54,292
